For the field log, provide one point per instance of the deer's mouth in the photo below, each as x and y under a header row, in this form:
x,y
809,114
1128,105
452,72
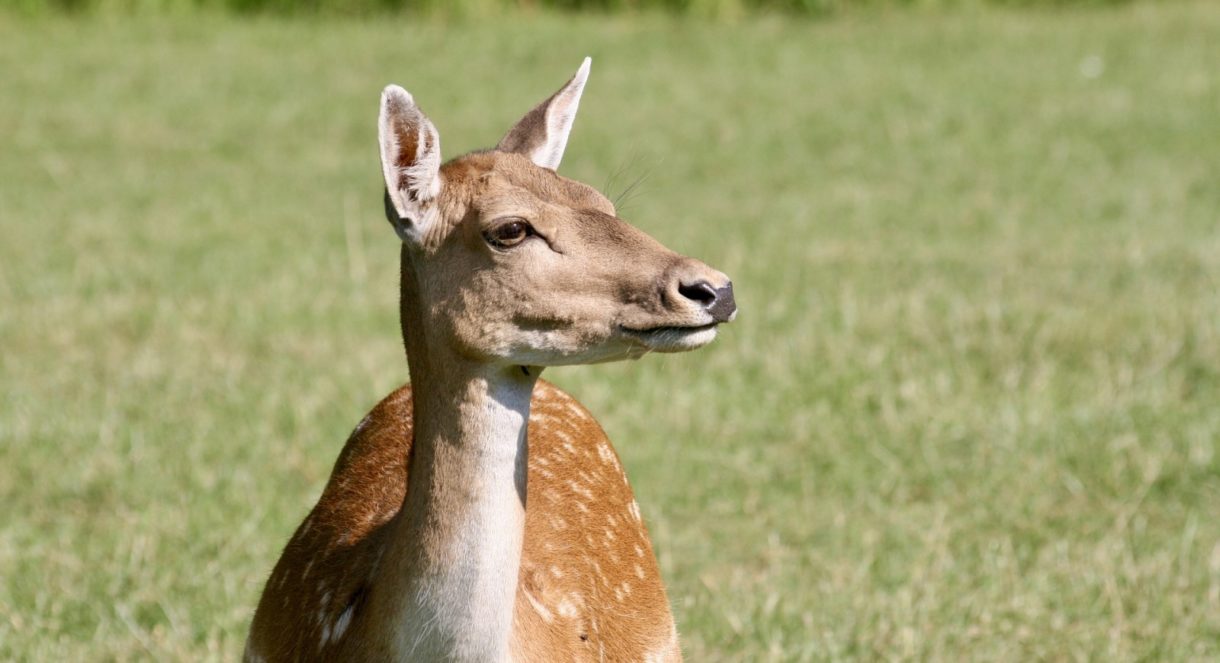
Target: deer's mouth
x,y
672,338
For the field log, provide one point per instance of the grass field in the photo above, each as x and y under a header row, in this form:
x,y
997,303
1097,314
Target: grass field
x,y
970,409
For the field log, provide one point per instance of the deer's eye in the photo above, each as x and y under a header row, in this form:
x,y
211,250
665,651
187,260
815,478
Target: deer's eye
x,y
508,234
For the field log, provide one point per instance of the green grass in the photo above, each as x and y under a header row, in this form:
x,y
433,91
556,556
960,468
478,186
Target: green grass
x,y
970,409
720,9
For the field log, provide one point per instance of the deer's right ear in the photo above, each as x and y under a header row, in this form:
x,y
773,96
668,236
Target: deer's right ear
x,y
410,161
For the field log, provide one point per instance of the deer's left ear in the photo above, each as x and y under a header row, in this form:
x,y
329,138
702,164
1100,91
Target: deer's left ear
x,y
542,134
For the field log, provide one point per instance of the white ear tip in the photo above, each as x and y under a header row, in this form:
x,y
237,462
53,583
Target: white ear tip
x,y
397,97
583,72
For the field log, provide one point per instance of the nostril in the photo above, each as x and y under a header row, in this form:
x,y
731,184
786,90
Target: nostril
x,y
701,292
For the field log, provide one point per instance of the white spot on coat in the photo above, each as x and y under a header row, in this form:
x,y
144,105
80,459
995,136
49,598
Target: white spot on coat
x,y
566,608
539,608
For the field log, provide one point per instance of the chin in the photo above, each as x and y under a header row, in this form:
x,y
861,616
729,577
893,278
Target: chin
x,y
675,339
626,344
601,353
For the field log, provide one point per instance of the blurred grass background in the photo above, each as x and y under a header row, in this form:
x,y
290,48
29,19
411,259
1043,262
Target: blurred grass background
x,y
970,410
482,8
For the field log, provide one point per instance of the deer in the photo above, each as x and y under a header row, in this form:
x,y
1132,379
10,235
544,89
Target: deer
x,y
480,513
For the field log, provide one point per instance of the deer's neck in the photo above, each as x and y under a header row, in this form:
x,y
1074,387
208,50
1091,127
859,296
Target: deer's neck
x,y
457,548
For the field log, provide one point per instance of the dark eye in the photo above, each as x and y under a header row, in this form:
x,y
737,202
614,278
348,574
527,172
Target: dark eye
x,y
508,234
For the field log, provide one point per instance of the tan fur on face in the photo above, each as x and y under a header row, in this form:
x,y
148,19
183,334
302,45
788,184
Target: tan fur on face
x,y
559,298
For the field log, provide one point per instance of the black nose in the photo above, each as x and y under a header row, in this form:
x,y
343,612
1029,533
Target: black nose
x,y
718,301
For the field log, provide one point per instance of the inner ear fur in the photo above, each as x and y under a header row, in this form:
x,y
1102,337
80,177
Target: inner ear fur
x,y
410,161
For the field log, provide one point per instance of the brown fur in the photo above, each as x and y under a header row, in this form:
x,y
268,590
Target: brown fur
x,y
580,520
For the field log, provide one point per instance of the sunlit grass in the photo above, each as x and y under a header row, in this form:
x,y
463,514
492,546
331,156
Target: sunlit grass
x,y
970,409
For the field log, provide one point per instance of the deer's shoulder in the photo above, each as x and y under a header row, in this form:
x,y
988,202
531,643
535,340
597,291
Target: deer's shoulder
x,y
589,587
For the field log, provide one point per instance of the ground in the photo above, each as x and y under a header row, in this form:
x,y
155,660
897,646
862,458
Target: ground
x,y
968,409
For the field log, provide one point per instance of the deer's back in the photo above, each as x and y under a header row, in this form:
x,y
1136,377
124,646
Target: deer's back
x,y
588,587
